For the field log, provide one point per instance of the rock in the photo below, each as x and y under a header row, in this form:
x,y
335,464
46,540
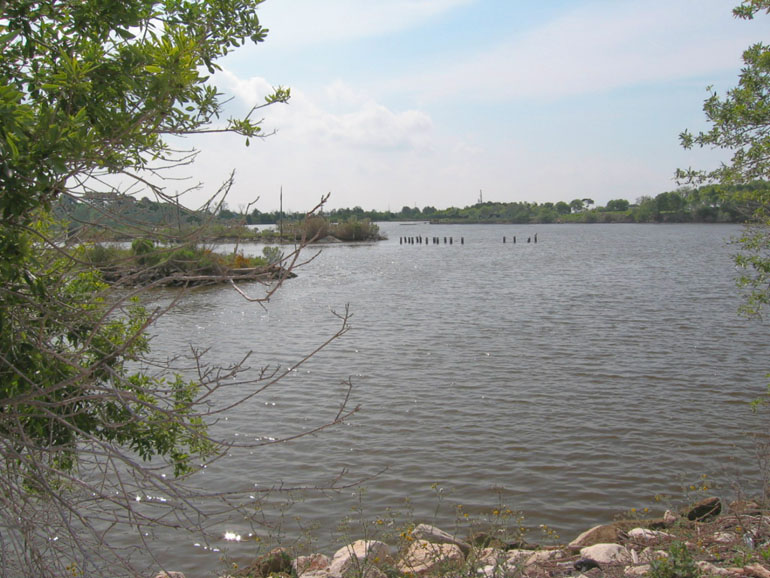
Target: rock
x,y
544,556
669,518
708,569
306,565
518,557
495,561
165,574
505,561
644,536
604,534
724,538
423,557
705,509
361,557
606,553
316,574
633,571
490,556
489,571
650,555
756,570
438,536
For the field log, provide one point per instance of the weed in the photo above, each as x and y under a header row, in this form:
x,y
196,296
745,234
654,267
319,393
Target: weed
x,y
678,564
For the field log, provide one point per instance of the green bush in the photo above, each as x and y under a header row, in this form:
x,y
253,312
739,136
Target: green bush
x,y
678,564
101,256
145,252
355,230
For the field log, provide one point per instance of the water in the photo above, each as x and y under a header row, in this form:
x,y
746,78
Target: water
x,y
579,376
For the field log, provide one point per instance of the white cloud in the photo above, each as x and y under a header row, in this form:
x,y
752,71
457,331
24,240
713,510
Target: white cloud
x,y
339,116
298,23
599,47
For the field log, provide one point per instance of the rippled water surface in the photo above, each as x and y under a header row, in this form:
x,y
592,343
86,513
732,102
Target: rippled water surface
x,y
582,375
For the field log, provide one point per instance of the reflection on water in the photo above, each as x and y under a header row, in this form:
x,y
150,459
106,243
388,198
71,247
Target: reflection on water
x,y
580,376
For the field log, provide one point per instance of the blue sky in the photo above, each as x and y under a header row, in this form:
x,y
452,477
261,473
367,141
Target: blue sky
x,y
428,102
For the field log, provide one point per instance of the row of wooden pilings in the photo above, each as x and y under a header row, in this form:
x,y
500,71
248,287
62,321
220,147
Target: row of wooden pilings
x,y
420,240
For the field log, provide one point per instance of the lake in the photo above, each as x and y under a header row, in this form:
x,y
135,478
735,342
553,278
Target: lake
x,y
576,377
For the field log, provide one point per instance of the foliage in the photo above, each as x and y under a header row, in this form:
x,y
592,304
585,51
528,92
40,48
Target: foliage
x,y
356,230
740,120
65,377
315,228
89,93
754,260
678,564
167,265
740,123
274,255
115,216
618,205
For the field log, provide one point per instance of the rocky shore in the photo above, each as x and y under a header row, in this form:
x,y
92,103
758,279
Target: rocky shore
x,y
700,540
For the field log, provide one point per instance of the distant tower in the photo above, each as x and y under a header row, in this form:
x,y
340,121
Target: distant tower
x,y
481,197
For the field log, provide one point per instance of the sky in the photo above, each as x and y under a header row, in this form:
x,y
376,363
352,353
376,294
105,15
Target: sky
x,y
440,102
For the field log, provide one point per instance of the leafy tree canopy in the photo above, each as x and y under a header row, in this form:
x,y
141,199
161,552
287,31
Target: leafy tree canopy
x,y
88,89
739,120
740,123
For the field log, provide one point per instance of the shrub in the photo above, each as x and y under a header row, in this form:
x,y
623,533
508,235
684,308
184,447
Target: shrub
x,y
315,228
679,564
355,230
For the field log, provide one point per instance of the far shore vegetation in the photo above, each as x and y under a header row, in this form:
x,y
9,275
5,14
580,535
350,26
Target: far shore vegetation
x,y
109,216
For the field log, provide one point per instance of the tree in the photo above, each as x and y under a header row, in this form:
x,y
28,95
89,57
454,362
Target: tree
x,y
617,205
563,208
670,202
90,92
740,123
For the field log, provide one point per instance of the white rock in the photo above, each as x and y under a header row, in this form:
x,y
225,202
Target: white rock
x,y
490,556
724,537
544,556
606,553
422,557
316,574
601,534
669,517
507,562
487,571
756,570
650,555
708,569
517,557
305,565
640,570
646,536
360,555
438,536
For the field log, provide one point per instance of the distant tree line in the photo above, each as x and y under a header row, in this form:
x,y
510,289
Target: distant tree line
x,y
705,204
